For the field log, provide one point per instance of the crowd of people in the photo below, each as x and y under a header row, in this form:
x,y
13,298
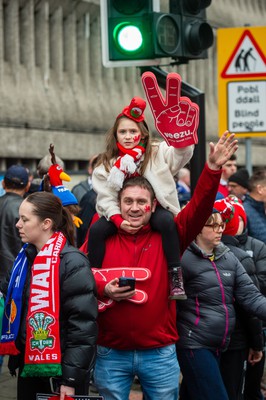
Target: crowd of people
x,y
192,325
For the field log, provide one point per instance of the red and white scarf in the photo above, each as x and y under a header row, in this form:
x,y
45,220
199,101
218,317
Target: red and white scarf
x,y
43,352
126,165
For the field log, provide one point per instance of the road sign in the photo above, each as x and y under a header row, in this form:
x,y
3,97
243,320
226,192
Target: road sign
x,y
247,106
246,60
242,80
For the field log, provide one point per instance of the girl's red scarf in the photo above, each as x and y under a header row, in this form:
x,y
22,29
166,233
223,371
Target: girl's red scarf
x,y
126,165
43,353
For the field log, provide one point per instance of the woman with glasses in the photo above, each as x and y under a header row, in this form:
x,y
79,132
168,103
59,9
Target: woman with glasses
x,y
246,342
213,279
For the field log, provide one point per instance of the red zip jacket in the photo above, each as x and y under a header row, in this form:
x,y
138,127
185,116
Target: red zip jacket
x,y
150,320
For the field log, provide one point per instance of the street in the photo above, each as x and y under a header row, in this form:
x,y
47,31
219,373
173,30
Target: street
x,y
8,386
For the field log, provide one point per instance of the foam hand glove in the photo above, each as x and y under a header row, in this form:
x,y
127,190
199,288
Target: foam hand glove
x,y
176,118
106,275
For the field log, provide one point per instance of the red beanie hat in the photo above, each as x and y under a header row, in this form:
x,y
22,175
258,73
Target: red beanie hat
x,y
230,209
229,216
135,110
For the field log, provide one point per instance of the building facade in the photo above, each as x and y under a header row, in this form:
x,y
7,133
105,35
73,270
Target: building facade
x,y
54,88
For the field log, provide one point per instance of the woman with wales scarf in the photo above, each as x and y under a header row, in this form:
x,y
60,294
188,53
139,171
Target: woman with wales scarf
x,y
49,324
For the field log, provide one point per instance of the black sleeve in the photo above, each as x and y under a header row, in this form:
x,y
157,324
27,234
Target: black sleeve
x,y
87,205
79,310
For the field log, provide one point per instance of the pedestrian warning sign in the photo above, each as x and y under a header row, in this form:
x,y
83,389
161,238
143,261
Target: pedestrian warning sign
x,y
242,80
247,59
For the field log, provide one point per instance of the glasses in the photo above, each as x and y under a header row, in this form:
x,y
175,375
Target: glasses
x,y
217,227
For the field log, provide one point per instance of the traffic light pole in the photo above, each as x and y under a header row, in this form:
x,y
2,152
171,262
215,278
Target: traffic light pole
x,y
199,157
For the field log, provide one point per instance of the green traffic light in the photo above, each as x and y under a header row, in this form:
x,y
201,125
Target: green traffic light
x,y
128,37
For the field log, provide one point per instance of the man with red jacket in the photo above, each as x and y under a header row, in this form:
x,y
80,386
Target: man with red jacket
x,y
137,328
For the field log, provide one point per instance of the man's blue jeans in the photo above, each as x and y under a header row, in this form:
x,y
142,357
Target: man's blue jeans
x,y
157,369
202,379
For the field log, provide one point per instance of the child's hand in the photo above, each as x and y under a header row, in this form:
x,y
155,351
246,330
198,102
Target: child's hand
x,y
176,118
128,228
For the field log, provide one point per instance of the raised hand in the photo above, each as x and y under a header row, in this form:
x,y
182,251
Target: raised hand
x,y
176,118
222,150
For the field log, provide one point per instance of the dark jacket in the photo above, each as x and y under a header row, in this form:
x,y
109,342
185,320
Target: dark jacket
x,y
248,329
257,250
87,205
78,313
207,318
81,189
10,243
256,218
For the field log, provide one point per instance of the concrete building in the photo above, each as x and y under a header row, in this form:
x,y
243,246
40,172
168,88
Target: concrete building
x,y
54,88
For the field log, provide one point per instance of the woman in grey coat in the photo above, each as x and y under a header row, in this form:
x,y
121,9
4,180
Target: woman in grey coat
x,y
213,278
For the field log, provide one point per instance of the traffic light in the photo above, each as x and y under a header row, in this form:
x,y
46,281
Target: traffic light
x,y
127,33
166,37
197,34
135,33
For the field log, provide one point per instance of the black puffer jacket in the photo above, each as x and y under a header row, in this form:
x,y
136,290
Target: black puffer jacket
x,y
207,318
78,313
248,329
257,250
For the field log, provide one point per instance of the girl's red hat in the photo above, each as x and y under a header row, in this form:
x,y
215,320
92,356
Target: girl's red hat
x,y
135,110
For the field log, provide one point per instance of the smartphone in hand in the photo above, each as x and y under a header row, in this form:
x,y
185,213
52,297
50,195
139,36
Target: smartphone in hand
x,y
124,281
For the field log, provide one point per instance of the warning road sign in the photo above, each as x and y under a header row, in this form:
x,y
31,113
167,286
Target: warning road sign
x,y
247,60
242,80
